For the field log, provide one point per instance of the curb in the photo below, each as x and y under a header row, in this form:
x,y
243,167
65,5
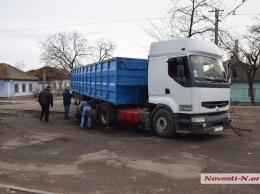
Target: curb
x,y
9,187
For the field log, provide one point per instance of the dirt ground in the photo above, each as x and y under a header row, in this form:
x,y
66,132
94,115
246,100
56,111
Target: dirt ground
x,y
60,157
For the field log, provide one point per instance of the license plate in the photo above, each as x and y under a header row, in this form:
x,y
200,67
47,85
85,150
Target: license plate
x,y
218,129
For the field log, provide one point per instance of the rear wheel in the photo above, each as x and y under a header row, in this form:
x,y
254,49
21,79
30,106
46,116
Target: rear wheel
x,y
163,123
106,115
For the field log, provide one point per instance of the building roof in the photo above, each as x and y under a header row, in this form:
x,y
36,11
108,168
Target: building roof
x,y
52,73
241,72
8,72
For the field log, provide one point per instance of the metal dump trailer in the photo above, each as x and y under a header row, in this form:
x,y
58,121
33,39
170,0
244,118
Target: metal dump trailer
x,y
119,81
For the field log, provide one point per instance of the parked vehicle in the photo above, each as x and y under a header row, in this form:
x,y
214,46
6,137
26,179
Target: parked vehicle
x,y
182,88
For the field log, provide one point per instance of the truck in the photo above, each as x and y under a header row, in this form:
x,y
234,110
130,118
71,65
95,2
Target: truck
x,y
183,87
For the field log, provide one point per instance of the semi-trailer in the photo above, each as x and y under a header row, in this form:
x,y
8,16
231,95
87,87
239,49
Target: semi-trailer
x,y
183,87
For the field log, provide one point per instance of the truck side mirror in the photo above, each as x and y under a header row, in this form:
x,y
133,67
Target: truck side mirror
x,y
234,72
180,71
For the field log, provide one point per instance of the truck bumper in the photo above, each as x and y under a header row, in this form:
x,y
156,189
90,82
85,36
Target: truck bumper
x,y
213,123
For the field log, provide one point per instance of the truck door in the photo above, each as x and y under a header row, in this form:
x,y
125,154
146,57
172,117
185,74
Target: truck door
x,y
178,88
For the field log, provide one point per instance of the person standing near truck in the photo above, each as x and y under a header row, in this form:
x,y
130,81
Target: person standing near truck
x,y
86,112
66,102
45,99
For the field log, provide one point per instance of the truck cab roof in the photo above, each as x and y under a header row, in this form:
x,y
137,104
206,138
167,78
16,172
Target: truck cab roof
x,y
184,46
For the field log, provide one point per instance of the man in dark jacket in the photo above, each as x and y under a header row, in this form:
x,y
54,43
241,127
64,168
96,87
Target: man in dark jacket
x,y
45,99
66,101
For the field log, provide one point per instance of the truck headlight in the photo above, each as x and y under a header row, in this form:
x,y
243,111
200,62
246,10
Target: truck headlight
x,y
198,120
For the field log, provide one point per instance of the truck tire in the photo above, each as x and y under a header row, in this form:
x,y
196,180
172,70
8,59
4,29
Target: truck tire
x,y
106,114
163,123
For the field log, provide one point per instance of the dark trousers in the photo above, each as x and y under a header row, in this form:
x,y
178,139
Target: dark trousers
x,y
66,111
45,111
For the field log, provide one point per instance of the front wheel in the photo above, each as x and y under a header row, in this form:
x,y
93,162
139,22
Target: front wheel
x,y
163,123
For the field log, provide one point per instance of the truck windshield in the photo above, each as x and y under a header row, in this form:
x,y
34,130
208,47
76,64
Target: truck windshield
x,y
208,68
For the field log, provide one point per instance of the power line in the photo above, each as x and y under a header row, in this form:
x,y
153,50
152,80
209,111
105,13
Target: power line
x,y
106,22
247,14
232,29
233,11
91,32
232,5
221,3
238,33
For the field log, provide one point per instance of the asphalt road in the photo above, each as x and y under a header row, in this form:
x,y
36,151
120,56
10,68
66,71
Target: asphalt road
x,y
60,157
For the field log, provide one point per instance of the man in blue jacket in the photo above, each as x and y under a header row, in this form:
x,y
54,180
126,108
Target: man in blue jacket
x,y
66,102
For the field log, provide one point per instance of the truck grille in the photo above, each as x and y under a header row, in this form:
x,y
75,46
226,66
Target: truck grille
x,y
219,104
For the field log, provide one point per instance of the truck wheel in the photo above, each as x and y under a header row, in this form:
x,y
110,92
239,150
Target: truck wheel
x,y
163,123
106,115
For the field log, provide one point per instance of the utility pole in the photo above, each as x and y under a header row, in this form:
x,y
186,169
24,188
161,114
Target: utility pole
x,y
216,23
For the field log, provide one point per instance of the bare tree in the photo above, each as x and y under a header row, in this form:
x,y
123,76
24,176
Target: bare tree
x,y
104,49
248,58
36,91
184,20
65,50
19,65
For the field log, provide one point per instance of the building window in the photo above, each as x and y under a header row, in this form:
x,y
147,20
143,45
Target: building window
x,y
60,85
30,87
248,92
24,88
54,86
42,87
16,88
65,85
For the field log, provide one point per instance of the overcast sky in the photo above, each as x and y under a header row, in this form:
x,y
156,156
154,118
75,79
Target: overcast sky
x,y
23,23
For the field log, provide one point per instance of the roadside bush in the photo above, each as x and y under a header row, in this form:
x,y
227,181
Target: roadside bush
x,y
36,92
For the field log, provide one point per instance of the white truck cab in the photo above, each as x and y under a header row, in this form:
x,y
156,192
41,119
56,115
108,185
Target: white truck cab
x,y
187,80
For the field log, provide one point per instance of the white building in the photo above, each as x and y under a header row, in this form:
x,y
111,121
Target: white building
x,y
14,82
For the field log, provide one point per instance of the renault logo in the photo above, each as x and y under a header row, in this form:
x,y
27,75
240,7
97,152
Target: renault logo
x,y
217,109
